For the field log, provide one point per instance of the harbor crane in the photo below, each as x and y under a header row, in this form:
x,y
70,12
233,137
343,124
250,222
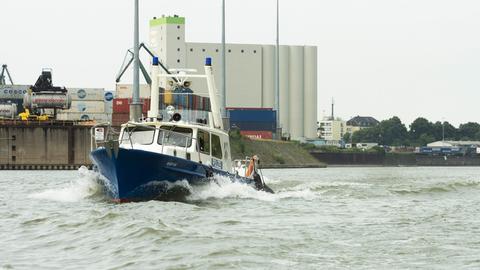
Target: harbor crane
x,y
128,59
3,75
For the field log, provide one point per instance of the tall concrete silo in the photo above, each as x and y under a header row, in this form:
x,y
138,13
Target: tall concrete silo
x,y
284,88
296,92
310,97
268,80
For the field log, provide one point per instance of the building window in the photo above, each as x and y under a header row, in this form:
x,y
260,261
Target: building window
x,y
178,38
178,49
203,50
254,51
14,137
178,26
242,51
14,158
178,60
191,49
216,50
14,148
229,51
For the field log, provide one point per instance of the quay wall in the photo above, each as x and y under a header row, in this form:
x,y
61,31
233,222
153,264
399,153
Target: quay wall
x,y
394,159
41,146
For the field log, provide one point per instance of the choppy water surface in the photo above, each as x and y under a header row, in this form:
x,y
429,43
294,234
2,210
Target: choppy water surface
x,y
335,218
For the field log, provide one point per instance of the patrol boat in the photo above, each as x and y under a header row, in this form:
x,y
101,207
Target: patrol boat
x,y
182,139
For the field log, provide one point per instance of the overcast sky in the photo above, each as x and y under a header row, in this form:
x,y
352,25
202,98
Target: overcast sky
x,y
380,58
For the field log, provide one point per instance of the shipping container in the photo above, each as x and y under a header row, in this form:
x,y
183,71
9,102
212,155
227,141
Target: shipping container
x,y
109,107
72,116
126,90
13,91
255,135
184,101
256,126
120,118
251,115
122,105
91,94
87,107
108,97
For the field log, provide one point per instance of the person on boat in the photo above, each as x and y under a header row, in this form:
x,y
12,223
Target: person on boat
x,y
252,171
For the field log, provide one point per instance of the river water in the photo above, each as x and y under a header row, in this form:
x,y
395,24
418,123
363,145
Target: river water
x,y
334,218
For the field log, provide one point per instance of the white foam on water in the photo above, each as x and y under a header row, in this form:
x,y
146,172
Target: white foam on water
x,y
223,188
86,185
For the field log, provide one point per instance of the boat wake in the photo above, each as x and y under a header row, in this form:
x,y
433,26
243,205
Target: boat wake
x,y
91,185
223,188
88,184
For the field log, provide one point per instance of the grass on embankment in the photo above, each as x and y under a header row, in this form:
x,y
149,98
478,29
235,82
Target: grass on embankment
x,y
272,154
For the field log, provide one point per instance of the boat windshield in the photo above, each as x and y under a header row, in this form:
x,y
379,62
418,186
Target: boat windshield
x,y
175,136
138,135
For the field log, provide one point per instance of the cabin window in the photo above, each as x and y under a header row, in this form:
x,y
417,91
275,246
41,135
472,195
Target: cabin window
x,y
216,147
138,135
204,142
175,136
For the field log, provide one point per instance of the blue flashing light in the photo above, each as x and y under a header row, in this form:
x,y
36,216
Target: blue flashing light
x,y
208,61
155,61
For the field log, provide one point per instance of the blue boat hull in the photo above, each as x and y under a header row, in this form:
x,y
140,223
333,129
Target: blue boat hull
x,y
136,175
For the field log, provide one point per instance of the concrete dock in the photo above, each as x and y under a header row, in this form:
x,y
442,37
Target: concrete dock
x,y
44,145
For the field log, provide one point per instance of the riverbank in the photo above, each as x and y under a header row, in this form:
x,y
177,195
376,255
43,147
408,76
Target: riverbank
x,y
273,154
393,159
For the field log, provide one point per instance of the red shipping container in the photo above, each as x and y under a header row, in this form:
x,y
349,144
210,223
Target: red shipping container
x,y
120,118
122,105
146,105
255,135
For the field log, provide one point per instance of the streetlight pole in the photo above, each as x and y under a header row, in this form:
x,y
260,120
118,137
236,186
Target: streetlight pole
x,y
224,64
277,72
136,106
443,129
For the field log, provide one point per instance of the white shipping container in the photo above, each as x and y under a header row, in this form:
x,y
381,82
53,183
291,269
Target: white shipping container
x,y
87,107
13,91
98,117
125,91
91,94
109,107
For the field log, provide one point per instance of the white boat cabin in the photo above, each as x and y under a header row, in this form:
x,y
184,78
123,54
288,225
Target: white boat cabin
x,y
198,143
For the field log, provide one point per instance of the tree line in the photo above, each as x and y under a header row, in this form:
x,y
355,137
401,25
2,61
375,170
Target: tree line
x,y
393,132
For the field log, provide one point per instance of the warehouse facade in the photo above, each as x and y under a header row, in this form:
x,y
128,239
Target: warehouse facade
x,y
250,74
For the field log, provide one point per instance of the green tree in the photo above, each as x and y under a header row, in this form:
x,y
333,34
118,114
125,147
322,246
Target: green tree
x,y
450,131
468,131
371,134
393,132
425,139
420,129
346,137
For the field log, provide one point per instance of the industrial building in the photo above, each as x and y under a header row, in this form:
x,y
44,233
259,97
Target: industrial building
x,y
250,74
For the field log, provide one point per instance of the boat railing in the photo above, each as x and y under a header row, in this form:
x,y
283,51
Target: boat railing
x,y
102,133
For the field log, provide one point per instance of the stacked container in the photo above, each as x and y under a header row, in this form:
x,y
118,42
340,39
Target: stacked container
x,y
126,90
121,109
13,94
256,123
88,104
